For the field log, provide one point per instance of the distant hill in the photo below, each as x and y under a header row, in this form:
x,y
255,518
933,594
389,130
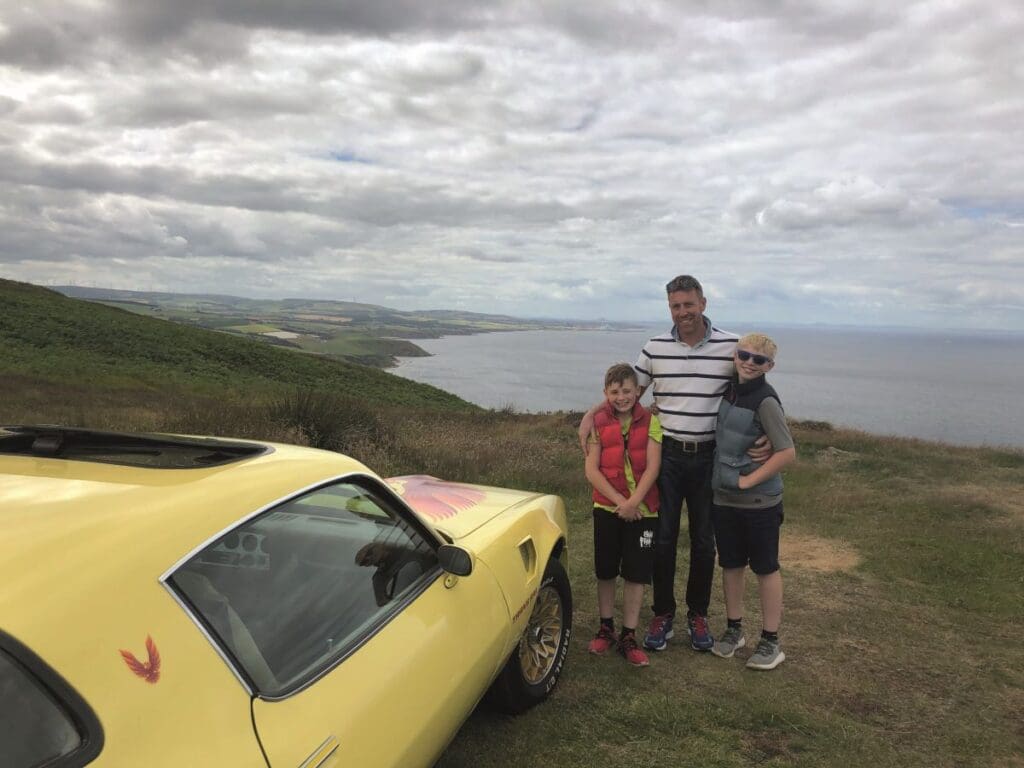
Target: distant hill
x,y
352,311
52,336
361,333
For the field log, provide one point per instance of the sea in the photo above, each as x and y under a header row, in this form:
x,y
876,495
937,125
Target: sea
x,y
956,387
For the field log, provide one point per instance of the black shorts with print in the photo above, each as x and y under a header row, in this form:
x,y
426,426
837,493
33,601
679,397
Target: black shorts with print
x,y
623,548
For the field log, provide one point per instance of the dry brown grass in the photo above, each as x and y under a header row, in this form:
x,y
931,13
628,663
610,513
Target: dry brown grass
x,y
1001,494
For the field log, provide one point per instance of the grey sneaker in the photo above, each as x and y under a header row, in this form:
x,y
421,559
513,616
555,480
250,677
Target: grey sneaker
x,y
767,655
726,645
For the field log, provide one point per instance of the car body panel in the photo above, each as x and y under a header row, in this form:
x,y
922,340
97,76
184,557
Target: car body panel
x,y
518,553
109,533
80,627
400,681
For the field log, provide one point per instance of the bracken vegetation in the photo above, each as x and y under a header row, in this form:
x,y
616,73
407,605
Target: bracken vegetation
x,y
903,561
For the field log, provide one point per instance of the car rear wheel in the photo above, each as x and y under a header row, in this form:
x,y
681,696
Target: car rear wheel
x,y
532,670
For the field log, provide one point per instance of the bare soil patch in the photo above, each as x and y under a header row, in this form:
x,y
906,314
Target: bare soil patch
x,y
814,553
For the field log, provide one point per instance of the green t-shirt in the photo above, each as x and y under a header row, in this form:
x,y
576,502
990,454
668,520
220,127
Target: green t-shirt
x,y
654,433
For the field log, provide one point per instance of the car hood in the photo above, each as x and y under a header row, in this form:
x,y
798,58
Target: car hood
x,y
456,509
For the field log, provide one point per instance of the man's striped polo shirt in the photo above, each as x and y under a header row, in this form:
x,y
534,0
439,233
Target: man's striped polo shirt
x,y
688,381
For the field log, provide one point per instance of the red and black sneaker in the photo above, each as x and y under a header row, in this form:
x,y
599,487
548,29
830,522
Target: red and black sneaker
x,y
631,652
603,641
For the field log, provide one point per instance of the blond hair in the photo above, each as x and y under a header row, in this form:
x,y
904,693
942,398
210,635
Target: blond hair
x,y
759,342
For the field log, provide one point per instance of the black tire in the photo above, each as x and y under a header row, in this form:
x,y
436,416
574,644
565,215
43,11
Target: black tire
x,y
532,671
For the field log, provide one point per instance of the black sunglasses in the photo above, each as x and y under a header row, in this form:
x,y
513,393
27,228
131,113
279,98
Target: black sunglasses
x,y
743,355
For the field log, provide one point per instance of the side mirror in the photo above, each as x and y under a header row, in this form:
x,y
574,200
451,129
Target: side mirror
x,y
455,560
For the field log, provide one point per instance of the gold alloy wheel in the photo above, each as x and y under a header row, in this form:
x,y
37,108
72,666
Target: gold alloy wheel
x,y
539,647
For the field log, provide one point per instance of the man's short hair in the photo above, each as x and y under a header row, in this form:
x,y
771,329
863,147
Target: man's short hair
x,y
684,283
618,374
758,342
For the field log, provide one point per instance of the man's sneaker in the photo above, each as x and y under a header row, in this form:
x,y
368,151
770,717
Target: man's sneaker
x,y
603,640
659,632
700,635
726,645
631,652
767,655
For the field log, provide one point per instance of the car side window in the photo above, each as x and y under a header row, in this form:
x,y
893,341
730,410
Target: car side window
x,y
43,721
291,592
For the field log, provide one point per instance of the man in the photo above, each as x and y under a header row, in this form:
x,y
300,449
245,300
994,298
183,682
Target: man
x,y
690,368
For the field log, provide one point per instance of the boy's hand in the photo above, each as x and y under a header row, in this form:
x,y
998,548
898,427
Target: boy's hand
x,y
761,451
586,426
629,512
744,482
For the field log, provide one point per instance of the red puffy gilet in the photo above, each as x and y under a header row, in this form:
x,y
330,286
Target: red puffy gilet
x,y
613,465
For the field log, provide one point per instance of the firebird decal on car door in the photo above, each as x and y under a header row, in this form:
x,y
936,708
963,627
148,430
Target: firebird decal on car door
x,y
148,670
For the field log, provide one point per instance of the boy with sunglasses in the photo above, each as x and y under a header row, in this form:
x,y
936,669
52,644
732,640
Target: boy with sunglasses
x,y
623,458
747,509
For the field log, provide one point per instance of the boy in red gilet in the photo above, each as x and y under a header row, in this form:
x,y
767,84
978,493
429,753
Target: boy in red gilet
x,y
623,458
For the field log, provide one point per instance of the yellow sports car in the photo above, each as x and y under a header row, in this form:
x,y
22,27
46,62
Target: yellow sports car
x,y
178,601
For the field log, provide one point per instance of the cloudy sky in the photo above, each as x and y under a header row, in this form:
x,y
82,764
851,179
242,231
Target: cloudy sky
x,y
839,162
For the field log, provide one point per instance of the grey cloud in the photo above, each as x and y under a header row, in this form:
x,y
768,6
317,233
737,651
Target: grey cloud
x,y
477,254
175,105
52,113
393,204
148,181
840,202
39,45
441,69
605,23
53,34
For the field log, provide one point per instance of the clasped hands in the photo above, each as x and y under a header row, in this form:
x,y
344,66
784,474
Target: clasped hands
x,y
629,511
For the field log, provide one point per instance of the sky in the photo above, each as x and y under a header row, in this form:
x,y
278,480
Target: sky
x,y
850,162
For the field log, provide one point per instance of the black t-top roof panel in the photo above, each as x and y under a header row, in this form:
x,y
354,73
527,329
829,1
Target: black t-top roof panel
x,y
153,451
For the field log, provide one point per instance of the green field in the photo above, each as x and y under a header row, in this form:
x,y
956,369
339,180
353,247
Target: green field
x,y
903,560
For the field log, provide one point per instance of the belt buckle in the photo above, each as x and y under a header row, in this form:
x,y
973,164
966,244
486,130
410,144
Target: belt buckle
x,y
690,446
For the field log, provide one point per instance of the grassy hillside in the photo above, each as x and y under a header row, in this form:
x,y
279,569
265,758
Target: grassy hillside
x,y
49,337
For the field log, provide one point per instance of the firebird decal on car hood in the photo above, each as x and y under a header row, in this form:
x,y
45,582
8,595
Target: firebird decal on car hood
x,y
458,508
435,498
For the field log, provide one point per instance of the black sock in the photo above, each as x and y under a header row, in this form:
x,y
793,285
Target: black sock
x,y
627,631
766,635
735,623
610,623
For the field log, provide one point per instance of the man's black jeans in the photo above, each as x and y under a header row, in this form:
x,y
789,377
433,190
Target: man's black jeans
x,y
684,477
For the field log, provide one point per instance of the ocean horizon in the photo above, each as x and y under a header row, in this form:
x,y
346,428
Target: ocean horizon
x,y
951,386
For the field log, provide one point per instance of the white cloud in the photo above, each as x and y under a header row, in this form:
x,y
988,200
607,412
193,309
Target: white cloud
x,y
848,161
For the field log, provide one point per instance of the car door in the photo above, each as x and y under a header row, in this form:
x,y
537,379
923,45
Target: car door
x,y
357,647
